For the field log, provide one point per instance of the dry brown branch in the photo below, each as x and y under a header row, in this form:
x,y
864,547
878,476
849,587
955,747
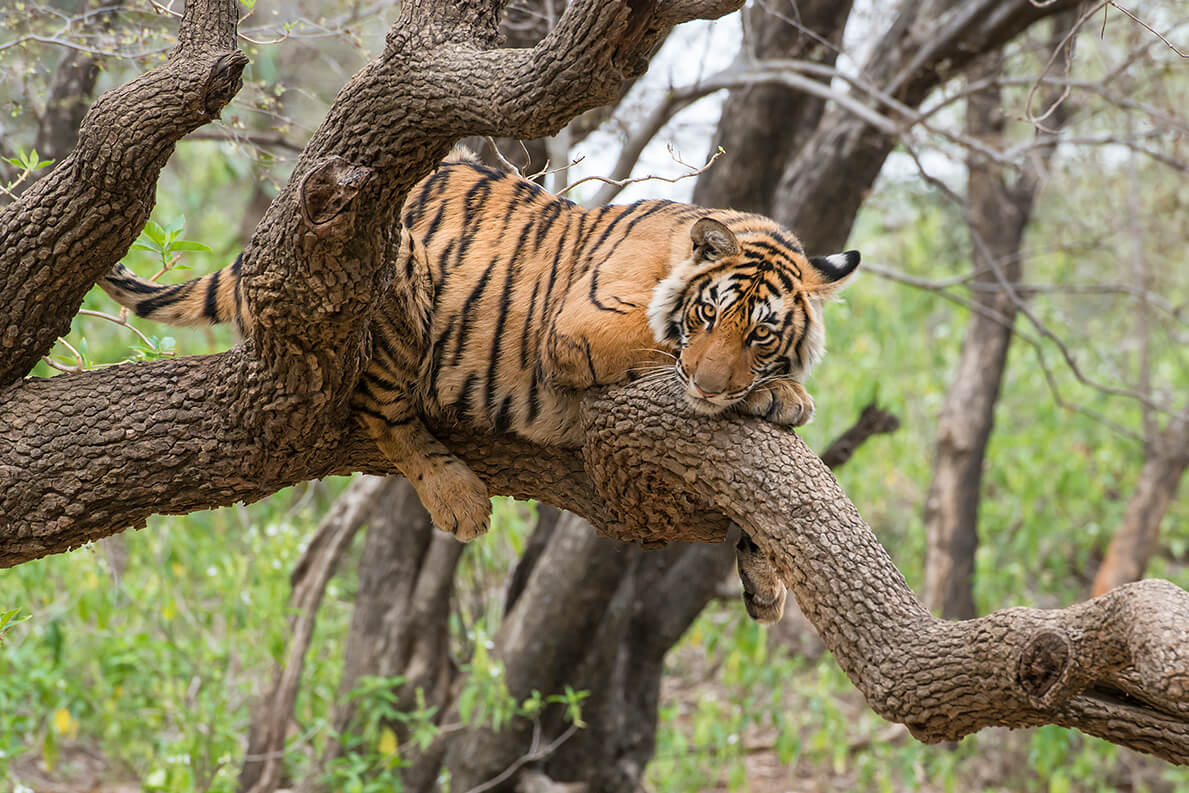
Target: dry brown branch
x,y
309,579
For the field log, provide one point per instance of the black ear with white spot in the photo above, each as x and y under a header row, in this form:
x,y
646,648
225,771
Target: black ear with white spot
x,y
712,240
835,267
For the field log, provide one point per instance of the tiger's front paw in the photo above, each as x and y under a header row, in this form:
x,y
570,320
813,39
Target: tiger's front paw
x,y
763,591
783,402
457,502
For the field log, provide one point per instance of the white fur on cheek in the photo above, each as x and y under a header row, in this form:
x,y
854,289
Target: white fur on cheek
x,y
665,300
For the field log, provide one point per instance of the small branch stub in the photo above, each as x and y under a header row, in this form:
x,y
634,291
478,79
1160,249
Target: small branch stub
x,y
326,192
224,81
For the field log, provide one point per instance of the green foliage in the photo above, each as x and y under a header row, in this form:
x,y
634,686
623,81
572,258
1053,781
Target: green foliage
x,y
163,241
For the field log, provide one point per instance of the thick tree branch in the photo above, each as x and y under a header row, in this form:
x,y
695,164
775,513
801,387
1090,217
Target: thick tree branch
x,y
1116,666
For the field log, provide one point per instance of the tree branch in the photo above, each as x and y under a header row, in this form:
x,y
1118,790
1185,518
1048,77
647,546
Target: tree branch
x,y
74,224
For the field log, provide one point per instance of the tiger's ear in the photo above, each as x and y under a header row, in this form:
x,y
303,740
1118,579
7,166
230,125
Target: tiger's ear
x,y
832,271
712,240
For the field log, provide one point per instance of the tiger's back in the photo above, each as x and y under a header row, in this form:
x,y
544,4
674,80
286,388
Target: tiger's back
x,y
504,259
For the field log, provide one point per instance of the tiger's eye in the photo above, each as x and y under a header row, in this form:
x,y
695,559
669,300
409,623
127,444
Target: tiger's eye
x,y
707,311
761,335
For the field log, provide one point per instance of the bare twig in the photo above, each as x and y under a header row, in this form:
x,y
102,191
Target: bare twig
x,y
1180,53
534,754
619,184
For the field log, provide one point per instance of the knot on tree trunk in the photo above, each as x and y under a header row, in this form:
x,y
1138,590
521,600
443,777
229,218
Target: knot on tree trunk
x,y
1044,668
224,81
326,195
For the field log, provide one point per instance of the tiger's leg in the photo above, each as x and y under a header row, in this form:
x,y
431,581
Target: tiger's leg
x,y
587,346
454,496
784,402
763,591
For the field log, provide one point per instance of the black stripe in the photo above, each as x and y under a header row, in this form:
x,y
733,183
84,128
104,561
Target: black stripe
x,y
659,206
464,398
407,419
546,302
503,418
440,283
528,321
594,376
416,208
435,224
436,354
470,310
383,380
211,308
165,297
534,395
547,218
122,277
513,269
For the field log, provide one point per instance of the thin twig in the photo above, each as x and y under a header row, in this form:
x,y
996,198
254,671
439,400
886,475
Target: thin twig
x,y
534,754
622,183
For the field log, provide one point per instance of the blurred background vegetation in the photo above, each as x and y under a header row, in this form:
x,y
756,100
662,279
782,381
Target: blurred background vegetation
x,y
135,663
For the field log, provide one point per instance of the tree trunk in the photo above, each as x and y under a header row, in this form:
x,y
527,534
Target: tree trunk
x,y
998,217
1135,541
998,214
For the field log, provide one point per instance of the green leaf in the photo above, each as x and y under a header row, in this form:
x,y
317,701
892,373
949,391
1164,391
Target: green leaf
x,y
188,245
157,234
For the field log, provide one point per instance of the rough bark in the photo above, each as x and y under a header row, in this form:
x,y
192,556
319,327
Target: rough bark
x,y
1116,667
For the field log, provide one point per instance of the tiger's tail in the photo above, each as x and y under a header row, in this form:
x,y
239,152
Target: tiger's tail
x,y
212,298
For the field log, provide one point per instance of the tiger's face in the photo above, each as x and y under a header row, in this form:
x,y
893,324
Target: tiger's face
x,y
744,309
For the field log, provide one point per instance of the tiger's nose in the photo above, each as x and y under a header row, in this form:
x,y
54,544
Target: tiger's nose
x,y
707,384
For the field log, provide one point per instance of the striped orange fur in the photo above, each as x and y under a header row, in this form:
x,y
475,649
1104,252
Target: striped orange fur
x,y
510,301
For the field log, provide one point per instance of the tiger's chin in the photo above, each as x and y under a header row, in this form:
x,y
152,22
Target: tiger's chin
x,y
704,406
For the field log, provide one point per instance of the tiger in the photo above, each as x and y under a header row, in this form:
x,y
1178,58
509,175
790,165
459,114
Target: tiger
x,y
508,302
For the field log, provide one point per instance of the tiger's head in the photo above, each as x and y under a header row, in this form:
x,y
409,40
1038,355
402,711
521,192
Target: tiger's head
x,y
743,308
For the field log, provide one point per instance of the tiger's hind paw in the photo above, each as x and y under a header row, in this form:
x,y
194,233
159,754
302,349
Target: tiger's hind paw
x,y
457,502
763,591
783,402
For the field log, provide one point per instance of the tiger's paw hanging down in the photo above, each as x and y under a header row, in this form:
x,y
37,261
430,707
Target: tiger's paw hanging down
x,y
763,591
783,402
457,501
